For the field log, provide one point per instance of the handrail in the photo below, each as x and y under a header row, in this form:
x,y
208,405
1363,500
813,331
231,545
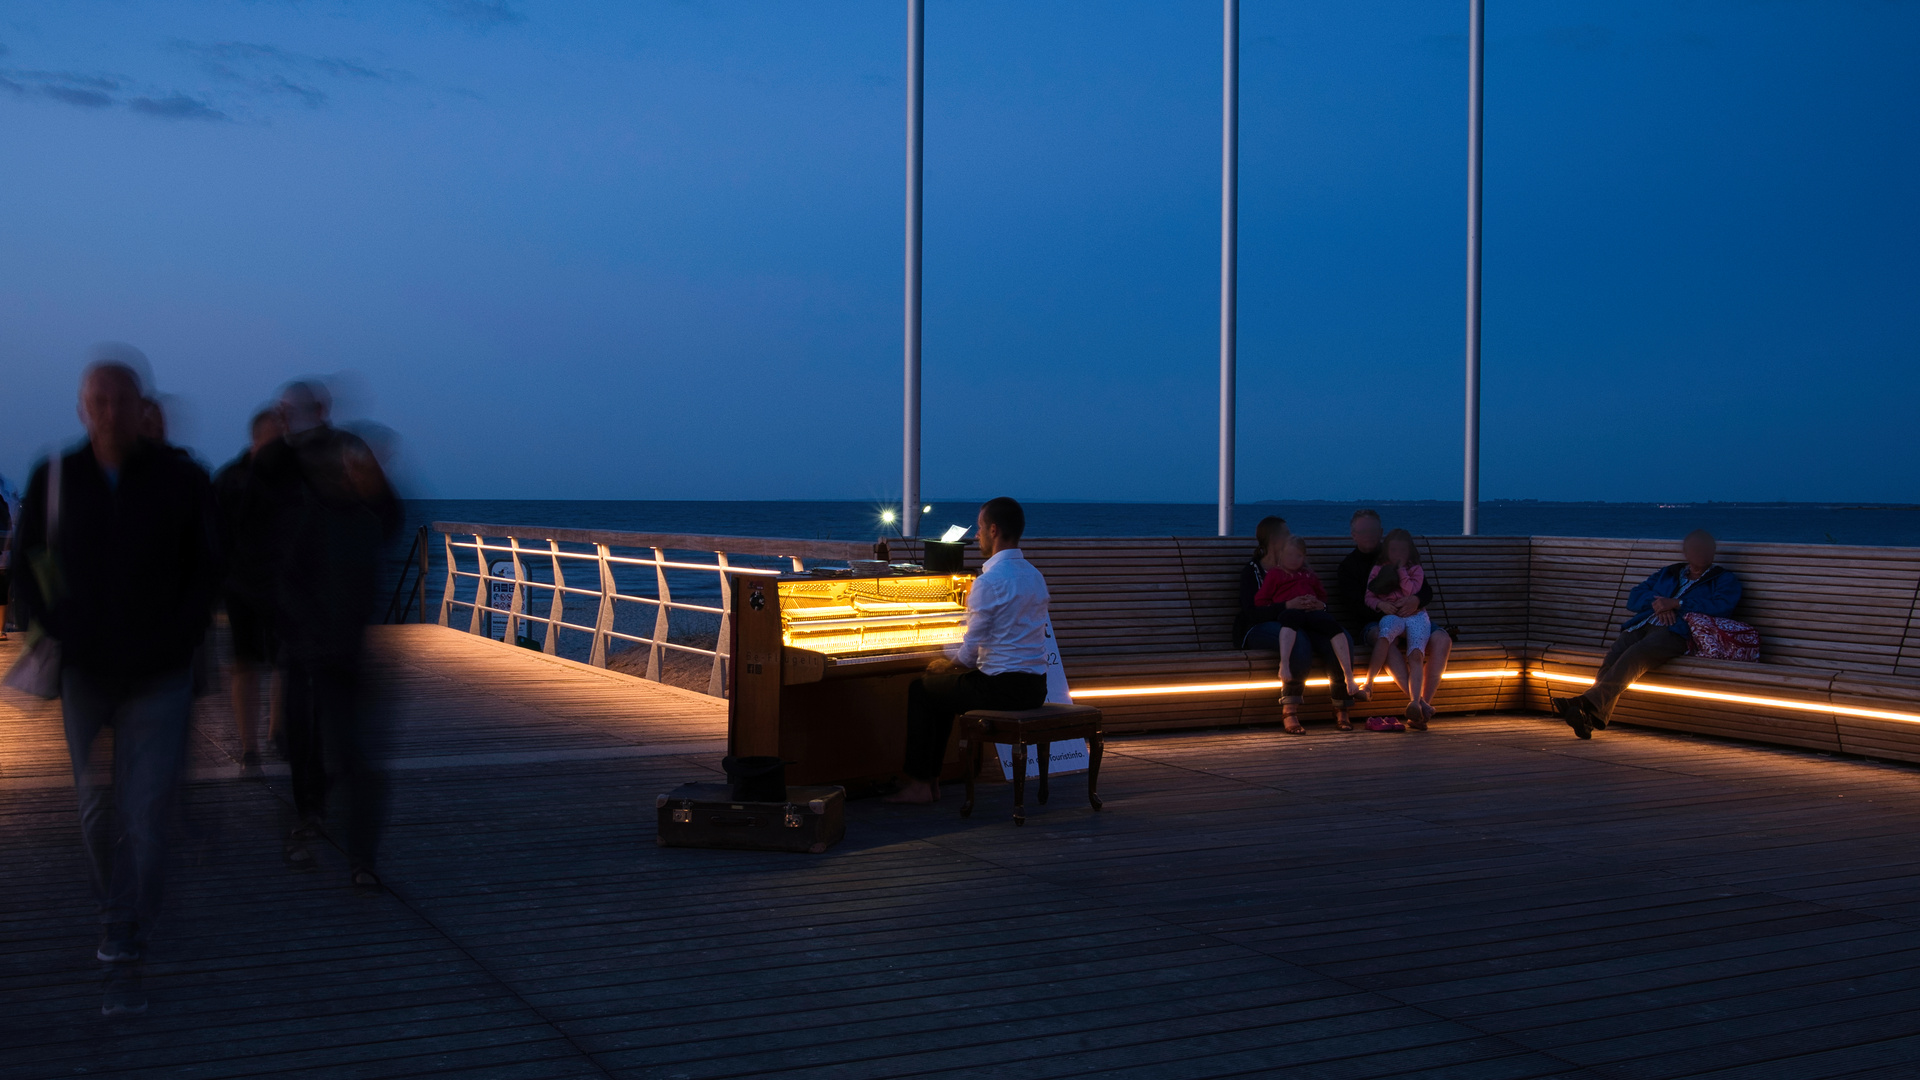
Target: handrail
x,y
738,545
541,544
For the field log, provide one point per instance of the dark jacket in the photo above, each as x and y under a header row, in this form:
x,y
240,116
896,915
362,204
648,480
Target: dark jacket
x,y
242,534
327,513
1252,614
1716,593
128,589
1350,593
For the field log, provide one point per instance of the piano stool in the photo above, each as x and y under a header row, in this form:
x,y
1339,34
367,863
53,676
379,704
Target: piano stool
x,y
1032,727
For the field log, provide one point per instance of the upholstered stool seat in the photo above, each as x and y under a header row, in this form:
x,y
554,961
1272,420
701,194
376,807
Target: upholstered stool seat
x,y
1032,727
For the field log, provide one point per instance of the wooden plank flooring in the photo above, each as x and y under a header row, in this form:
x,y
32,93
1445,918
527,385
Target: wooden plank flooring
x,y
1492,899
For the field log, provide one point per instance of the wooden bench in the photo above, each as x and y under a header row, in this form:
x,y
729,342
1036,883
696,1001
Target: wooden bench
x,y
1838,633
1143,622
1158,612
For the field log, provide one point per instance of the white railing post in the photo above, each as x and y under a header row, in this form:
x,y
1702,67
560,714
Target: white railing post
x,y
518,603
797,567
556,611
483,592
662,624
446,595
603,622
717,682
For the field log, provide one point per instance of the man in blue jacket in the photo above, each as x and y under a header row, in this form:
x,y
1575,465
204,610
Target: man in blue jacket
x,y
1657,631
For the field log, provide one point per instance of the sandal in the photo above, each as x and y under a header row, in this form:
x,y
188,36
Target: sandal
x,y
365,879
296,854
1290,716
1416,719
1342,721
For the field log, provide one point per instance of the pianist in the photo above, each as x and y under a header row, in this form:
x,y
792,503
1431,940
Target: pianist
x,y
1000,664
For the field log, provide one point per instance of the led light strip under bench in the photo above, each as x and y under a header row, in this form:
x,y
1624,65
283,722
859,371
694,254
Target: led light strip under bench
x,y
1509,673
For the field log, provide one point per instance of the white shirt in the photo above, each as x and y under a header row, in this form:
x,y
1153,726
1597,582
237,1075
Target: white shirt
x,y
1006,618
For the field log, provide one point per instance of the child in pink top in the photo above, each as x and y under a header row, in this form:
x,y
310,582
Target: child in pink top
x,y
1398,576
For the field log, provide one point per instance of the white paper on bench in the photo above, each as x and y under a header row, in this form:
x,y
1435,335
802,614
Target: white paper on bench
x,y
1067,756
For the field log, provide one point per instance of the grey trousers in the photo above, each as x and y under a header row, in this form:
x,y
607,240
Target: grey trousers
x,y
123,804
1634,653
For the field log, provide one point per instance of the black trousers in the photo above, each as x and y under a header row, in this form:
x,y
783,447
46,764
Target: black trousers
x,y
331,735
935,699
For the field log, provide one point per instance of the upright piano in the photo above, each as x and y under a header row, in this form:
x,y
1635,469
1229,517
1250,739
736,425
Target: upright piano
x,y
821,665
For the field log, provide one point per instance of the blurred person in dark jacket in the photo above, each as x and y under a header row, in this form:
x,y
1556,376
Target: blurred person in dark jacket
x,y
126,586
329,513
248,589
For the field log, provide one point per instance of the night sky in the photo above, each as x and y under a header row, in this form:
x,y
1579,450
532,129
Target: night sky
x,y
653,250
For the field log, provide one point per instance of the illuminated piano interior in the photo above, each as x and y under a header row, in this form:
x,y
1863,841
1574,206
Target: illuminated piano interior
x,y
868,615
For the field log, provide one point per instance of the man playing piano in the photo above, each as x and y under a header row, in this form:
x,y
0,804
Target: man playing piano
x,y
1001,663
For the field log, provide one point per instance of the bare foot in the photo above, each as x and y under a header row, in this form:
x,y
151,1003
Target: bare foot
x,y
917,792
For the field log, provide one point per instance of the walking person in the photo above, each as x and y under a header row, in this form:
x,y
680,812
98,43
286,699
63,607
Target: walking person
x,y
1294,594
6,553
329,512
1657,631
248,590
119,567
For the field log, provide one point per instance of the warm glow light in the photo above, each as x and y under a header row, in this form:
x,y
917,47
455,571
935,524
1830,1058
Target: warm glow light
x,y
1739,699
1263,684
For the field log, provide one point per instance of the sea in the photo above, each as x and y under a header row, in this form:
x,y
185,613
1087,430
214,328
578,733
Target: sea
x,y
1890,525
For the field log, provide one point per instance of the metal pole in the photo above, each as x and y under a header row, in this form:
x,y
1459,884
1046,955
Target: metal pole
x,y
1229,237
1476,64
916,88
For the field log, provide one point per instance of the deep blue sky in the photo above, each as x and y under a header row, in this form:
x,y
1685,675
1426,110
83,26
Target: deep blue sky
x,y
652,250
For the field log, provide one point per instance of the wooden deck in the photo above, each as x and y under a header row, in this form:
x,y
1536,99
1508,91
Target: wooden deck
x,y
1491,899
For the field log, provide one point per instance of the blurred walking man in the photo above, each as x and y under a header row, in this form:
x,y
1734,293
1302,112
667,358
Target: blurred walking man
x,y
248,590
330,513
120,567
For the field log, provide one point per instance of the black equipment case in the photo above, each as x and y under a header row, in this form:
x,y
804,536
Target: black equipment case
x,y
812,819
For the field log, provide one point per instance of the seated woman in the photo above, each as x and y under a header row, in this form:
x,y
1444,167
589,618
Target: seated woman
x,y
1260,627
1302,602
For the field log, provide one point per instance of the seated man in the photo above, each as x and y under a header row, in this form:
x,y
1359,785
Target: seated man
x,y
1657,631
1350,607
1001,663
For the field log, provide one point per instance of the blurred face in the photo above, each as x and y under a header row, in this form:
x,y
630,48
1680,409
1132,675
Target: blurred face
x,y
265,432
1292,557
1366,533
1399,552
1699,551
112,409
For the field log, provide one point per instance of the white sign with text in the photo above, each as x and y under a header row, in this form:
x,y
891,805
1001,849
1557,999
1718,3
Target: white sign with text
x,y
1069,756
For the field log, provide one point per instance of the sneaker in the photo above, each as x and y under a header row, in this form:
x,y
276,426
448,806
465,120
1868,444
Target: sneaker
x,y
118,945
123,996
1384,723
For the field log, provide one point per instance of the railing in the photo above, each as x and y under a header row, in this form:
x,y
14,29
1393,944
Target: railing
x,y
645,563
404,599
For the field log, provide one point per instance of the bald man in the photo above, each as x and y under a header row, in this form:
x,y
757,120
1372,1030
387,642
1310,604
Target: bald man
x,y
124,580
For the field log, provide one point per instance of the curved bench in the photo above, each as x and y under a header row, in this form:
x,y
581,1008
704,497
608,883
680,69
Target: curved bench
x,y
1144,625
